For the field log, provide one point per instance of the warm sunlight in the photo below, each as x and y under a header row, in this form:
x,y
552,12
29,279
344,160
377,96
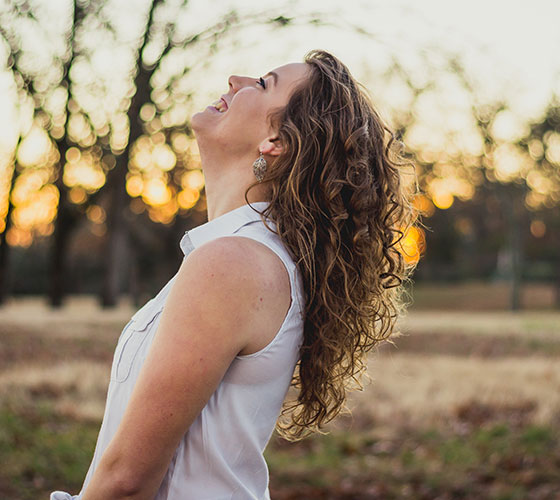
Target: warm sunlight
x,y
425,356
413,244
443,131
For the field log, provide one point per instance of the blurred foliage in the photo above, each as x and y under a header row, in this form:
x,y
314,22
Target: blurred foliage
x,y
104,167
103,141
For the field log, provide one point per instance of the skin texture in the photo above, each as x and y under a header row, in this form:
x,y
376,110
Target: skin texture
x,y
230,142
230,297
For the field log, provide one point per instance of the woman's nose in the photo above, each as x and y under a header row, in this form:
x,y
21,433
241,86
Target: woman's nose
x,y
236,82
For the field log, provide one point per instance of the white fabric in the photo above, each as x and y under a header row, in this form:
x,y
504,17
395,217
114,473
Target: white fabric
x,y
221,455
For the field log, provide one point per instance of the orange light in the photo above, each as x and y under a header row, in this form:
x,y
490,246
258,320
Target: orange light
x,y
442,200
193,179
538,228
413,244
156,192
77,195
96,214
134,185
188,198
19,237
424,205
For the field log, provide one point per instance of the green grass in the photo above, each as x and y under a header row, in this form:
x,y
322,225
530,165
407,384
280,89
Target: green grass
x,y
468,448
41,452
493,462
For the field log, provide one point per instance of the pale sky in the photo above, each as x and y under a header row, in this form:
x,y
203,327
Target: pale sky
x,y
513,40
511,47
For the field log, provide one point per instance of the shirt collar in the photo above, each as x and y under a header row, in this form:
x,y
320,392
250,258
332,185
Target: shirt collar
x,y
223,225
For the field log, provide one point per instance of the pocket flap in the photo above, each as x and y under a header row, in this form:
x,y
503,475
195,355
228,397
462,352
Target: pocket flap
x,y
131,339
144,316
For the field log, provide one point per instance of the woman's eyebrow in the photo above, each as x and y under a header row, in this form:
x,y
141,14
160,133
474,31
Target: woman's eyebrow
x,y
274,75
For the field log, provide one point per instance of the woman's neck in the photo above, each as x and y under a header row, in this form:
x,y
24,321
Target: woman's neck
x,y
226,181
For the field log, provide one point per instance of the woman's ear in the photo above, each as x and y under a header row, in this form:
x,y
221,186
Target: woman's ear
x,y
271,146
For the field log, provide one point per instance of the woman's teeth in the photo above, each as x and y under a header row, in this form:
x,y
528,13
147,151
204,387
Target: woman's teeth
x,y
219,105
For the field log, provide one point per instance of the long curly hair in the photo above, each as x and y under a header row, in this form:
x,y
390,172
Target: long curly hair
x,y
339,204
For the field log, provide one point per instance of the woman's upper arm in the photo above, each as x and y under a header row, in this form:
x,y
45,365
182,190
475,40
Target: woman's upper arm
x,y
206,322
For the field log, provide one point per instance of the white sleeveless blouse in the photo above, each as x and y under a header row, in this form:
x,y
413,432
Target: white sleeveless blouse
x,y
220,457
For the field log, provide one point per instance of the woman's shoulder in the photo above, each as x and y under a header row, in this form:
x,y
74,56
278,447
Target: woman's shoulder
x,y
252,278
243,258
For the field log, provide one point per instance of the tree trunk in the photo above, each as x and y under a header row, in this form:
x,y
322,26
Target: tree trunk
x,y
133,277
558,285
512,209
63,225
516,258
117,230
4,247
515,221
117,235
557,232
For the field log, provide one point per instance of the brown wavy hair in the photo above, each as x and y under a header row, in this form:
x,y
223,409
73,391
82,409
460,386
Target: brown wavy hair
x,y
339,205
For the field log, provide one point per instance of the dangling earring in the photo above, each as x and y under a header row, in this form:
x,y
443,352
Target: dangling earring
x,y
259,167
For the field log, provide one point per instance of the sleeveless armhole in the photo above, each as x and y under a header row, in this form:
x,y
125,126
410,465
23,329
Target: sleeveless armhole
x,y
293,297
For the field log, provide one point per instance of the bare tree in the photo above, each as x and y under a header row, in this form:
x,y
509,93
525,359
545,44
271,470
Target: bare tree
x,y
88,21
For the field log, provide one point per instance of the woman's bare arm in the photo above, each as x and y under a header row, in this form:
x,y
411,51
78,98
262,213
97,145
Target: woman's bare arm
x,y
207,320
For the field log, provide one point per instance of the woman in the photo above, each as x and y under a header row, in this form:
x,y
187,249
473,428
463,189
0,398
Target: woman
x,y
297,268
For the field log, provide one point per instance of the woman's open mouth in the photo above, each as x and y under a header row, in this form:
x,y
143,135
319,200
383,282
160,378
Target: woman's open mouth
x,y
220,105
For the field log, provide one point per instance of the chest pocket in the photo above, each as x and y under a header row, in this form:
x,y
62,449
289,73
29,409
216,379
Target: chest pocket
x,y
134,334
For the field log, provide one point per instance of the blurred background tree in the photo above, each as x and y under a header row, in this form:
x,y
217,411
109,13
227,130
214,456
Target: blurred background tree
x,y
104,175
104,148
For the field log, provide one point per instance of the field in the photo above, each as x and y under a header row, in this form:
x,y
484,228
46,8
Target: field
x,y
466,405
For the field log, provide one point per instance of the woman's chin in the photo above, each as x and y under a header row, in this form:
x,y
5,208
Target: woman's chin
x,y
196,115
206,112
197,119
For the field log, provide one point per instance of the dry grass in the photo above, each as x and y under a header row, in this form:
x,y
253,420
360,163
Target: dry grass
x,y
527,324
482,296
80,318
450,413
76,389
445,359
424,390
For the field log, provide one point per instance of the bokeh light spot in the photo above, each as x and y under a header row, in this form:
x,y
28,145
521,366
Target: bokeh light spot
x,y
193,179
413,244
188,198
156,192
538,228
134,185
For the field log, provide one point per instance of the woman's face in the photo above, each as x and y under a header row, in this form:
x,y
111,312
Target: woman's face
x,y
241,125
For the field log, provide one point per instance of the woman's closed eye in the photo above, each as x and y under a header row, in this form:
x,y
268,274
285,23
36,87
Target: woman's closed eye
x,y
261,81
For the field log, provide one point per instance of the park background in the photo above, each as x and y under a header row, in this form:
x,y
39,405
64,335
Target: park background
x,y
100,177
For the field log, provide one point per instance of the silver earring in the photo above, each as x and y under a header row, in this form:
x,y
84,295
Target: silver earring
x,y
259,167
